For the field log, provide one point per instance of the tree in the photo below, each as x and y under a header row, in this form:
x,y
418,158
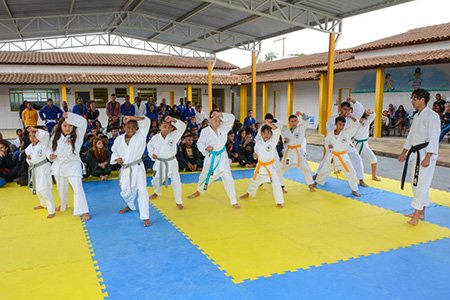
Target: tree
x,y
270,56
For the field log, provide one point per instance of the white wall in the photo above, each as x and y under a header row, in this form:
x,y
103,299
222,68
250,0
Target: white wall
x,y
405,49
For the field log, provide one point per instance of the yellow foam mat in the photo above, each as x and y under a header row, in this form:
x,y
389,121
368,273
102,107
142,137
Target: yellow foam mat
x,y
42,258
391,185
312,229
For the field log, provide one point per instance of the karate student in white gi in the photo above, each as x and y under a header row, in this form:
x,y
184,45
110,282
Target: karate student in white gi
x,y
357,110
39,174
421,150
361,142
216,164
336,143
127,151
67,166
294,156
266,169
162,149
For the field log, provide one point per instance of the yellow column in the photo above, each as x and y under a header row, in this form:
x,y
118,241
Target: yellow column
x,y
131,92
210,94
330,75
323,103
172,98
189,92
63,92
265,99
254,82
290,98
379,93
243,101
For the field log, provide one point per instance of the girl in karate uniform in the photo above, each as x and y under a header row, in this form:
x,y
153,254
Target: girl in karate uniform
x,y
67,167
162,149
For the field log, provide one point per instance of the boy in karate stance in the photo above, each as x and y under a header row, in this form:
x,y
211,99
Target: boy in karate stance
x,y
266,169
162,149
39,170
361,139
294,156
127,151
337,142
422,143
216,164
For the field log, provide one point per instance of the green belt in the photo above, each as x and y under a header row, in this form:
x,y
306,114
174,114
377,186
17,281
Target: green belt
x,y
362,144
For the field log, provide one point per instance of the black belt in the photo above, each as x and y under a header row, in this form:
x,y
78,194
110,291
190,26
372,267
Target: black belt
x,y
414,149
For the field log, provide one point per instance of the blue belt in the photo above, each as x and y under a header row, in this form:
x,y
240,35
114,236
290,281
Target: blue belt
x,y
212,168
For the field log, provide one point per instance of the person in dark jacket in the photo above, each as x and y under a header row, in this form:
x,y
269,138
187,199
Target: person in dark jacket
x,y
98,158
188,155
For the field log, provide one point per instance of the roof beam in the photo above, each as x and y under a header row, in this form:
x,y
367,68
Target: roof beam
x,y
72,4
11,16
125,7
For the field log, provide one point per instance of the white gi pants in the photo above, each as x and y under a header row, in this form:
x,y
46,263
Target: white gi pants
x,y
137,186
80,205
327,168
368,154
356,162
291,160
421,191
174,176
263,178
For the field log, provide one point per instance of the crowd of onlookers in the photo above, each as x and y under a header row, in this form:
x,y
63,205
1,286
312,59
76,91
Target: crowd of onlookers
x,y
96,150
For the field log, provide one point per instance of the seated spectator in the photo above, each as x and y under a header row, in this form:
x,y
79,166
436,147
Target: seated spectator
x,y
200,114
113,110
400,119
139,107
163,113
237,126
154,125
93,113
164,103
80,108
29,116
194,131
257,126
195,137
152,114
437,109
232,154
97,126
251,129
127,109
188,155
439,101
204,124
182,106
189,112
18,141
175,113
446,125
65,107
9,168
245,151
249,119
192,123
50,114
239,139
385,122
97,159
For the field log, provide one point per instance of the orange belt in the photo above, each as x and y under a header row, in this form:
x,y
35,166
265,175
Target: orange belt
x,y
338,155
293,147
265,165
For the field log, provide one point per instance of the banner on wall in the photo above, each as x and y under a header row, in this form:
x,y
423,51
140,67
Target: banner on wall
x,y
406,80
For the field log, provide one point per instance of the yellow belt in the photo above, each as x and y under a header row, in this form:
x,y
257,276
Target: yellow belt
x,y
293,147
264,165
338,155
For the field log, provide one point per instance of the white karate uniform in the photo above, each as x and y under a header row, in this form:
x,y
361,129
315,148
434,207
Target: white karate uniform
x,y
68,167
136,182
425,128
358,111
340,144
266,151
141,110
42,174
166,148
200,116
296,158
221,167
362,134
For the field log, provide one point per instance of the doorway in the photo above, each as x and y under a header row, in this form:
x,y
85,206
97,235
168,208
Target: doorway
x,y
219,98
86,96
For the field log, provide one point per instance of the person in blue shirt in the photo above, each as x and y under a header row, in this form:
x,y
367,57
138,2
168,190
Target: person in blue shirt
x,y
152,114
182,106
189,112
80,108
127,109
249,119
50,114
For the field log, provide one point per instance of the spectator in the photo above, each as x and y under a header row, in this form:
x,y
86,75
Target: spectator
x,y
437,109
175,113
446,125
154,125
249,119
439,101
98,158
163,113
200,114
164,103
22,107
127,109
114,134
50,114
229,145
29,116
188,155
152,113
251,129
385,122
182,106
80,108
93,113
239,139
192,123
97,125
189,112
65,107
257,126
245,151
9,168
18,141
400,118
391,111
151,102
204,124
140,108
113,110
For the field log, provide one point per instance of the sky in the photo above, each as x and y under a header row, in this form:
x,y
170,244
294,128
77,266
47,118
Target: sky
x,y
356,30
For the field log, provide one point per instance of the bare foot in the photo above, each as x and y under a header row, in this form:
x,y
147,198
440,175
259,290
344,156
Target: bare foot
x,y
375,178
147,223
85,217
38,207
58,208
180,206
49,216
237,206
413,221
153,196
194,195
362,183
355,193
312,187
245,196
124,210
279,205
284,191
411,215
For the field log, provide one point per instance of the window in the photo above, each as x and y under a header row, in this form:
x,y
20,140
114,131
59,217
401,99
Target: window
x,y
196,96
37,97
101,97
121,92
144,93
